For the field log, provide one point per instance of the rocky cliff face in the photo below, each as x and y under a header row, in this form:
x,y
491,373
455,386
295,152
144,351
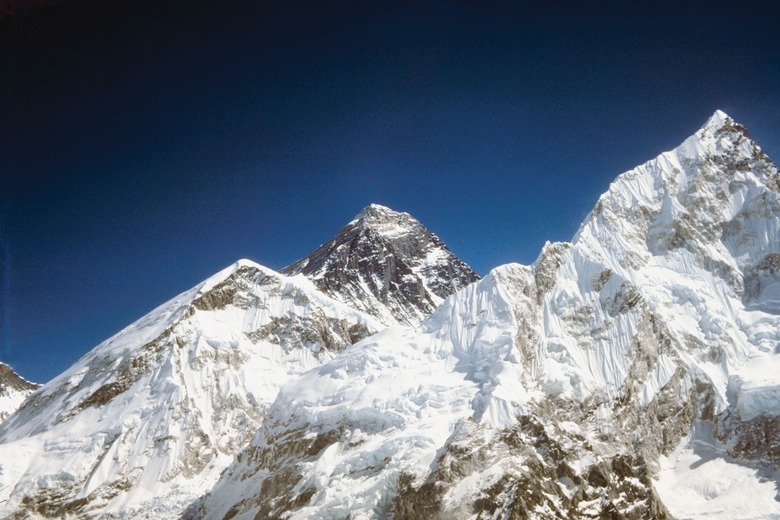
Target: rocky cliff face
x,y
631,373
386,264
145,422
14,389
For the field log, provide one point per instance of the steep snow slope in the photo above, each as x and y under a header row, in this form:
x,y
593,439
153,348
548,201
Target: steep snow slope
x,y
14,389
339,436
385,263
605,380
145,422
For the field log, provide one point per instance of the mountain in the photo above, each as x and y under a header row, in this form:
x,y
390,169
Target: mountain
x,y
386,264
144,423
13,390
631,373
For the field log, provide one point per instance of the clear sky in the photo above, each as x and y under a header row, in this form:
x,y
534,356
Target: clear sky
x,y
148,144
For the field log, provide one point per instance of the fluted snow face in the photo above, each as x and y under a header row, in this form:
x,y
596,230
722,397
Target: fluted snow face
x,y
386,264
146,421
665,304
694,233
574,388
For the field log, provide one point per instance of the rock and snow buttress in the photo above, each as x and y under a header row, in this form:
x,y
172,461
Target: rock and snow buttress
x,y
631,373
14,389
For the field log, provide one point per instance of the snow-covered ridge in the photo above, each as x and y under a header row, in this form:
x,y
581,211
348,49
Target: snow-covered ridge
x,y
560,390
146,421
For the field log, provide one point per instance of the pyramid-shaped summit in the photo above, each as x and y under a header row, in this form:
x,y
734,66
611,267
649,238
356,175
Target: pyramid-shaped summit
x,y
387,264
708,196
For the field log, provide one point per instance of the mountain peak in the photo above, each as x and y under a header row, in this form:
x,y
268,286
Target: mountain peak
x,y
717,120
701,196
374,210
721,125
163,405
383,219
387,264
631,373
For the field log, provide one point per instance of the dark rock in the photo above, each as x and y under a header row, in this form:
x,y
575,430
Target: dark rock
x,y
405,268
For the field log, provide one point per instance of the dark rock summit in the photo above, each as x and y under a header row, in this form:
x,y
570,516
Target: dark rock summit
x,y
387,264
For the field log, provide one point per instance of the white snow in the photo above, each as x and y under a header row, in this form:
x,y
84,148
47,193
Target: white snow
x,y
10,400
653,295
402,391
697,481
195,385
647,292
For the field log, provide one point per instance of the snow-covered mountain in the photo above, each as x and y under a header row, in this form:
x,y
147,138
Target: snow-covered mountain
x,y
631,373
13,390
386,264
144,423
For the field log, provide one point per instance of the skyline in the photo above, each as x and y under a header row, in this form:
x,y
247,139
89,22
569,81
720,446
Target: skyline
x,y
149,145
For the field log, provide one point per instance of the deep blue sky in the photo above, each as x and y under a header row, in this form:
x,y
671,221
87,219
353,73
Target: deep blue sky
x,y
146,145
